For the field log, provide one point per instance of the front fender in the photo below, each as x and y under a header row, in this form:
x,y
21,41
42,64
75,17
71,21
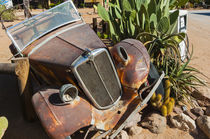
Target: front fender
x,y
133,72
60,121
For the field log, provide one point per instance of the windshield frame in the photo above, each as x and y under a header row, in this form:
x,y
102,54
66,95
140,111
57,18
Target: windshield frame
x,y
21,48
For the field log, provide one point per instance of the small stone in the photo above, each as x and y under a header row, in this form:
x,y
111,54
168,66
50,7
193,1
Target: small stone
x,y
90,13
202,103
122,135
194,117
183,122
204,109
185,127
204,124
195,103
178,110
197,111
133,121
135,130
184,108
155,123
185,105
175,122
207,112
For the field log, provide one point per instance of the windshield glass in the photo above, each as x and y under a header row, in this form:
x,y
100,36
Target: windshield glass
x,y
33,28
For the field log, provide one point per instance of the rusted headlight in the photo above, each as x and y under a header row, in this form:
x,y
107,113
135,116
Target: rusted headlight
x,y
68,93
123,56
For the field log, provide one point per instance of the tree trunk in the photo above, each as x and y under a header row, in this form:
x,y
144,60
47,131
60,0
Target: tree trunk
x,y
26,8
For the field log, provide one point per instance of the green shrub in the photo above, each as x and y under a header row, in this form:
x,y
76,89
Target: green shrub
x,y
102,35
40,6
55,3
52,5
7,15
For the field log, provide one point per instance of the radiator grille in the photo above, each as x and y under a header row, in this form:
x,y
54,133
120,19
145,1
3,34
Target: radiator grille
x,y
99,78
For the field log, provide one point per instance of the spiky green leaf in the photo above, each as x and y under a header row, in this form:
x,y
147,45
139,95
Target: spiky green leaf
x,y
133,15
153,18
117,12
159,14
172,4
173,20
131,27
166,8
126,5
152,7
103,13
163,25
182,2
138,5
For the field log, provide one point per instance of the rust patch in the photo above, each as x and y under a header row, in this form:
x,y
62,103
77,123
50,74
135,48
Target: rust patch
x,y
107,119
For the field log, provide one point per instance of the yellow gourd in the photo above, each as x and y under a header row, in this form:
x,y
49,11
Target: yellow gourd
x,y
169,107
167,89
158,98
166,101
153,97
159,104
173,101
154,104
164,110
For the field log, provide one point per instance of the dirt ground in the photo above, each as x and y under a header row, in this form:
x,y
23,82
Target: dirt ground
x,y
199,38
199,35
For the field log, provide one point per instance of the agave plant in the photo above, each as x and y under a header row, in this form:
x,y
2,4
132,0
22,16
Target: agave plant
x,y
183,78
163,47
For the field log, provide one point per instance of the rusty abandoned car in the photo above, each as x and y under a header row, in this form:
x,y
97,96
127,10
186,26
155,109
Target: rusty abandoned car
x,y
73,79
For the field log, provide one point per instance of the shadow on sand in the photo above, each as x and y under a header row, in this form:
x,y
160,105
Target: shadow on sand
x,y
206,14
10,107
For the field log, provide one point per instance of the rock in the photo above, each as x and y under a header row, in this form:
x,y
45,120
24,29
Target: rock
x,y
194,117
185,104
194,103
135,130
178,110
197,111
122,135
204,109
202,103
183,122
184,108
155,123
207,112
90,13
204,124
133,122
203,93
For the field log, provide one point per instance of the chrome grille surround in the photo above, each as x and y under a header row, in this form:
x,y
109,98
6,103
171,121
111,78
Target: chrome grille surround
x,y
98,78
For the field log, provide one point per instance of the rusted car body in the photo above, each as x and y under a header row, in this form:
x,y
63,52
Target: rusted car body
x,y
62,49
